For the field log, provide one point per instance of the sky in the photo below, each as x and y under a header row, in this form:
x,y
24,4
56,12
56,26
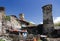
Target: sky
x,y
32,9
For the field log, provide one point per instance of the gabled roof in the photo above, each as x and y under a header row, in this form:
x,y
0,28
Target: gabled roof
x,y
23,21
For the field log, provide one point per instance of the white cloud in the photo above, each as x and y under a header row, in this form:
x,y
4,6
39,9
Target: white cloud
x,y
56,19
41,22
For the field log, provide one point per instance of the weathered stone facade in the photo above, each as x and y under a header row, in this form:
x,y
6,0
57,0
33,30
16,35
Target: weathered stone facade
x,y
21,16
53,39
21,26
47,19
2,20
14,22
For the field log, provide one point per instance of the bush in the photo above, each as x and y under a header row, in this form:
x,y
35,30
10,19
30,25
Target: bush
x,y
7,18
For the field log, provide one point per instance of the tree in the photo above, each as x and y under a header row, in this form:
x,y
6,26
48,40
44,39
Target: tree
x,y
7,18
57,24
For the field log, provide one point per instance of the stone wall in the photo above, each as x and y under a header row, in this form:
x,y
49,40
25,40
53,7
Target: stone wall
x,y
2,20
53,39
47,19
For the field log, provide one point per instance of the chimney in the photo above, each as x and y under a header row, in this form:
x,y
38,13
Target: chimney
x,y
47,19
21,16
2,10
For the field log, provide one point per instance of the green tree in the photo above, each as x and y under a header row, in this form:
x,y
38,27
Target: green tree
x,y
57,24
7,18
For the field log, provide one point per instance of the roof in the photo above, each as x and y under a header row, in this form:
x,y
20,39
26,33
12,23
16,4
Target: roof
x,y
13,16
30,27
46,5
17,30
23,21
1,8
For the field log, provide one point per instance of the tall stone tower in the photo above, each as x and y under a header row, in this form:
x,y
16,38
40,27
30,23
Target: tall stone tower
x,y
2,20
47,19
21,16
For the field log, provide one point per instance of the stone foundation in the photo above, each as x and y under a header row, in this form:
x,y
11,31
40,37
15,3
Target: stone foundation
x,y
53,39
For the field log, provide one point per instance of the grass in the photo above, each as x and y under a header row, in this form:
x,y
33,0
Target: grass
x,y
2,40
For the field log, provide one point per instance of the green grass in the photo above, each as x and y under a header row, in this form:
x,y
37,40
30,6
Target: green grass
x,y
2,40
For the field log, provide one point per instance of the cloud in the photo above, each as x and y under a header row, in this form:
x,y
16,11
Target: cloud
x,y
56,19
41,22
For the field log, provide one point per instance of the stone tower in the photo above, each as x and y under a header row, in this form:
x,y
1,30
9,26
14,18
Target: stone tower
x,y
2,20
21,16
47,19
